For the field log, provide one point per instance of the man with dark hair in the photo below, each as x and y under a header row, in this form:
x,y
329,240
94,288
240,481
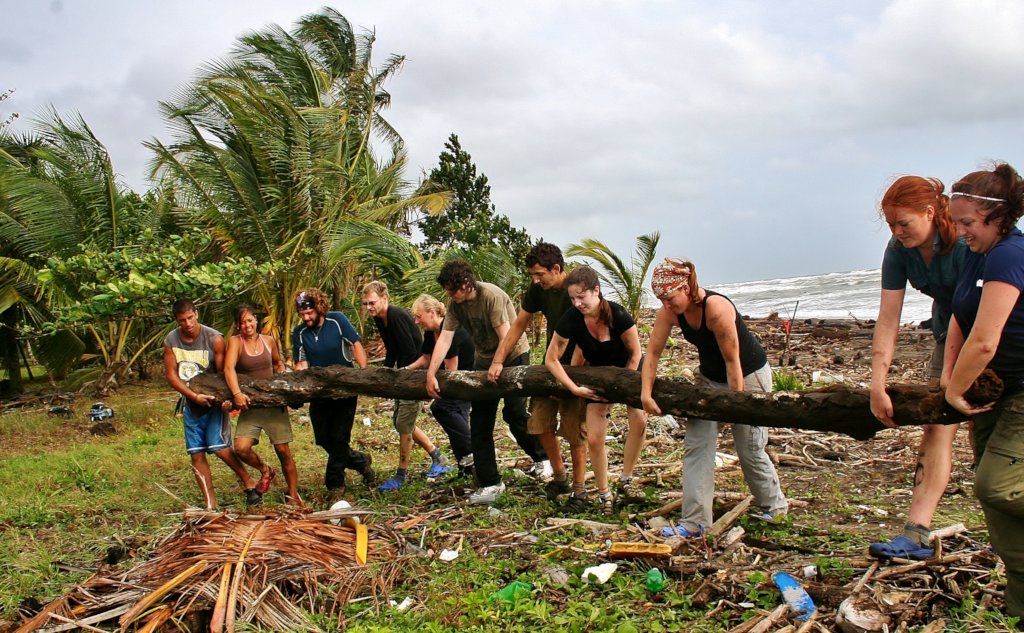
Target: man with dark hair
x,y
402,343
189,350
547,295
326,338
486,312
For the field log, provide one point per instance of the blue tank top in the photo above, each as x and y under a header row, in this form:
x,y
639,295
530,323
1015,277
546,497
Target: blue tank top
x,y
712,364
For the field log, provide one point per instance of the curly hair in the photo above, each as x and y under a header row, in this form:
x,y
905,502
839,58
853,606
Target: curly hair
x,y
545,254
314,296
456,274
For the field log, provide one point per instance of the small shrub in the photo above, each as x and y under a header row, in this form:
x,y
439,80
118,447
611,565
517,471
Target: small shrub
x,y
785,380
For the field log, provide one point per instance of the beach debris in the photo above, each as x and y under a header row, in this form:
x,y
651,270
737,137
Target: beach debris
x,y
557,575
241,568
512,593
794,594
638,550
860,614
654,580
448,555
600,573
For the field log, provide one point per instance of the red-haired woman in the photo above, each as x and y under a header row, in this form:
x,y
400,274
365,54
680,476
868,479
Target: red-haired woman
x,y
605,335
923,251
730,358
987,330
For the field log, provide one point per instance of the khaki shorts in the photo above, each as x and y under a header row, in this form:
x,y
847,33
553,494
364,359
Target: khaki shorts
x,y
406,412
546,412
935,364
273,420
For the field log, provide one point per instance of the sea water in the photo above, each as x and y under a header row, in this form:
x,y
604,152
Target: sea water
x,y
853,294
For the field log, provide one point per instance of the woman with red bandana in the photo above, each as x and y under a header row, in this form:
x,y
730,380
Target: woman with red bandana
x,y
730,358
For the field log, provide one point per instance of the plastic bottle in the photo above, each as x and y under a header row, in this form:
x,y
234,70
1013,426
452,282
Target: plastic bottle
x,y
655,580
794,594
511,593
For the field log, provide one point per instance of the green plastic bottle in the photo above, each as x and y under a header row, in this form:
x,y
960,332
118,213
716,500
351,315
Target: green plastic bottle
x,y
655,580
512,593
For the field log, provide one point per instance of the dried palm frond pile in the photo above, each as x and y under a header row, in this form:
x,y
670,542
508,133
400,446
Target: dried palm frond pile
x,y
268,570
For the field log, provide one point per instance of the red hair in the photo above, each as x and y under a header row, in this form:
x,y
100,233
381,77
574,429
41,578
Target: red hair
x,y
917,193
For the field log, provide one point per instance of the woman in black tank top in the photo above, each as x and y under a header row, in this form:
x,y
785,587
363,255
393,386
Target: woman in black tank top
x,y
730,358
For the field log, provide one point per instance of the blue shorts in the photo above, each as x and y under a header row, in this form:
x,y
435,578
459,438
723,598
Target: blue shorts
x,y
206,430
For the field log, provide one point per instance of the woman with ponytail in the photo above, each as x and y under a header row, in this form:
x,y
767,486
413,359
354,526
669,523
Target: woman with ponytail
x,y
987,331
605,335
730,358
925,252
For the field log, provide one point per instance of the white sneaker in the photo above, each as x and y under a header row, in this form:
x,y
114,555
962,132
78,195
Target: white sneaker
x,y
487,495
541,470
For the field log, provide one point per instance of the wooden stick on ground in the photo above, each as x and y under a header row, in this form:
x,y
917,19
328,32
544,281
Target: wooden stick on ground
x,y
730,517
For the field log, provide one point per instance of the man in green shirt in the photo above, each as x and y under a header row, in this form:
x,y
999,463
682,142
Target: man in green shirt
x,y
547,295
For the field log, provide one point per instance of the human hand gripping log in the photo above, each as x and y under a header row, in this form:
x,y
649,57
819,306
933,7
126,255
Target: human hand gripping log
x,y
835,408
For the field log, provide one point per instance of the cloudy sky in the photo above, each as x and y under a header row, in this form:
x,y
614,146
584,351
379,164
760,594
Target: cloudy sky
x,y
756,136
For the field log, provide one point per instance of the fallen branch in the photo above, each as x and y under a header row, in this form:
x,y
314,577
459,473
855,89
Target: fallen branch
x,y
836,408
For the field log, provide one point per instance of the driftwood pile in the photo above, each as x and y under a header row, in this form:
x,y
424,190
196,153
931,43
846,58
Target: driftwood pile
x,y
221,571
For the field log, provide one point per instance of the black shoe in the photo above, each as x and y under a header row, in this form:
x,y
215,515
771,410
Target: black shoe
x,y
369,477
252,498
576,504
554,488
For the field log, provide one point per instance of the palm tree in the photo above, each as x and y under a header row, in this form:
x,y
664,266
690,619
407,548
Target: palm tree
x,y
60,196
275,153
625,282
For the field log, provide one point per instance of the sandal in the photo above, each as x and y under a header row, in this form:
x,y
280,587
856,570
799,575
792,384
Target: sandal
x,y
264,483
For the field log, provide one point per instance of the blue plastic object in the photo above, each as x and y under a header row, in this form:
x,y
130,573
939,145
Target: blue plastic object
x,y
793,593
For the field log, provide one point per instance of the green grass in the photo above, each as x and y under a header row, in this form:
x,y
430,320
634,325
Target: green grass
x,y
67,496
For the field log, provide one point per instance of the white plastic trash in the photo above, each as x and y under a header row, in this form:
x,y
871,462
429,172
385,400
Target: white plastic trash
x,y
341,505
367,421
600,573
448,555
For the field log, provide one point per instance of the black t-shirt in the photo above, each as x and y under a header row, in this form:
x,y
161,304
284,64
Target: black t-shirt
x,y
401,337
712,364
610,353
462,346
553,303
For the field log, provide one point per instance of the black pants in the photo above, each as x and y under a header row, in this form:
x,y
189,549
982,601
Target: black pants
x,y
453,416
332,430
481,426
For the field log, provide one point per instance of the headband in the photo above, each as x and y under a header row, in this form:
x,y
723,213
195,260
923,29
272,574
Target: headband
x,y
971,195
670,275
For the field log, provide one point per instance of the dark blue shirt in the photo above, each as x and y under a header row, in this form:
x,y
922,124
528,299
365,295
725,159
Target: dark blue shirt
x,y
1005,263
938,281
322,346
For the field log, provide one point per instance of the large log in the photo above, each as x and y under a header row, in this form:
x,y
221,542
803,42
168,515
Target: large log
x,y
836,408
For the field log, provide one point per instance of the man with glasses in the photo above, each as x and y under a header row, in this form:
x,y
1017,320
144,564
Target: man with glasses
x,y
326,338
402,343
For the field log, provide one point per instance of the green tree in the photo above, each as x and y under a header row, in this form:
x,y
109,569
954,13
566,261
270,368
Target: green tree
x,y
626,282
470,222
282,153
59,194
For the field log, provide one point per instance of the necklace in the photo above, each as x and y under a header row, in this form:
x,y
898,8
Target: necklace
x,y
256,349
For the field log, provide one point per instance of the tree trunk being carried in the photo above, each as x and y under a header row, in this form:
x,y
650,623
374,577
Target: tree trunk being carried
x,y
836,408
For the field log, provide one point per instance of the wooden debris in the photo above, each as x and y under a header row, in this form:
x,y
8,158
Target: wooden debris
x,y
241,568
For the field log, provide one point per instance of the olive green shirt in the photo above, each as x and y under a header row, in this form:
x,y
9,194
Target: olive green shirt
x,y
481,316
